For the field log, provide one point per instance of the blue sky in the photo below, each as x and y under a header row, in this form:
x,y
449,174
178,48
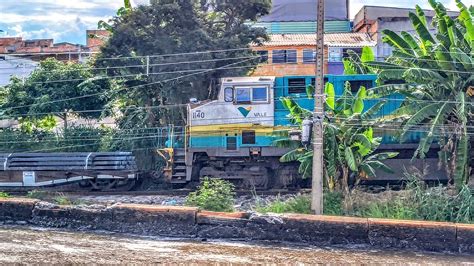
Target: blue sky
x,y
67,20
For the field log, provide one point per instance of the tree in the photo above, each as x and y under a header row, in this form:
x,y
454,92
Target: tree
x,y
158,86
439,74
46,92
349,142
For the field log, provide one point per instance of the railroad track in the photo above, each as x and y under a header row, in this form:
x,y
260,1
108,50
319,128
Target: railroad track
x,y
167,192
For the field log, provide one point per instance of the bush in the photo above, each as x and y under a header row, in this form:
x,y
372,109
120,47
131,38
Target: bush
x,y
38,194
297,204
4,195
213,195
302,204
62,200
416,202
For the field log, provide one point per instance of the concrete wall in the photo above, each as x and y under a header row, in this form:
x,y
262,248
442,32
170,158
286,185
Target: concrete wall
x,y
190,222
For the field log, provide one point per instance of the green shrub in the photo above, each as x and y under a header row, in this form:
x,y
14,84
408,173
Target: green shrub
x,y
62,200
4,195
417,202
213,195
302,204
333,203
37,194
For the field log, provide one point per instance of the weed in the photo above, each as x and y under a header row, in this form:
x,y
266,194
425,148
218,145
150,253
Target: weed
x,y
213,195
302,204
62,200
37,194
4,195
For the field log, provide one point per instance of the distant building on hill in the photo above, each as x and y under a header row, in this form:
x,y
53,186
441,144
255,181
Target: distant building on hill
x,y
374,19
40,49
15,66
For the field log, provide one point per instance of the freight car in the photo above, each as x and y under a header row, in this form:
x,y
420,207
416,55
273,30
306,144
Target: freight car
x,y
95,170
233,136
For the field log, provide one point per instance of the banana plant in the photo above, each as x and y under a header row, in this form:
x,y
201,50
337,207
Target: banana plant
x,y
349,142
438,70
355,64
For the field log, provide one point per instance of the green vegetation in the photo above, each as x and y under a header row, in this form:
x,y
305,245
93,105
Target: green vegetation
x,y
213,195
4,195
38,194
297,204
438,81
416,202
62,200
41,97
302,204
349,142
186,29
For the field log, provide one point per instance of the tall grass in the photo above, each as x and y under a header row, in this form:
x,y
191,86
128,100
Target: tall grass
x,y
416,202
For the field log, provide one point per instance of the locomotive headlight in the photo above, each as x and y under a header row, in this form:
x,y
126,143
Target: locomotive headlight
x,y
295,135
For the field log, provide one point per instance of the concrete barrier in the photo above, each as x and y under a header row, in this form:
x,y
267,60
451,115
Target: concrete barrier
x,y
465,238
190,222
429,236
16,209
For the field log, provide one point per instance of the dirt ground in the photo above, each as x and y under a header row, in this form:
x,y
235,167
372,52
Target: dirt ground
x,y
42,246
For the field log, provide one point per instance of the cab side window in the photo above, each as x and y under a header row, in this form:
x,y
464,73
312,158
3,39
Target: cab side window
x,y
259,94
242,95
229,94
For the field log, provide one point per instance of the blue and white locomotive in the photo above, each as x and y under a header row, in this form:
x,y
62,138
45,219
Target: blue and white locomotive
x,y
233,137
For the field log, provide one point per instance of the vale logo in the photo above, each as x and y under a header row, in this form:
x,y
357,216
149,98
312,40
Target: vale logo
x,y
245,111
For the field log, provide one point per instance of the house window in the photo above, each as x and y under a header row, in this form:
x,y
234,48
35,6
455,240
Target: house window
x,y
284,56
229,94
248,137
242,95
296,85
309,56
335,55
259,94
263,56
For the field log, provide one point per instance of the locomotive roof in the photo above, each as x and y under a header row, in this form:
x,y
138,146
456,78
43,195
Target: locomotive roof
x,y
266,79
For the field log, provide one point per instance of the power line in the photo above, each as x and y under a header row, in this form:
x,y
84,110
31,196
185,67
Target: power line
x,y
126,88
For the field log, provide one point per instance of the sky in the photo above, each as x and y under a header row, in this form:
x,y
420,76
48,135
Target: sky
x,y
67,20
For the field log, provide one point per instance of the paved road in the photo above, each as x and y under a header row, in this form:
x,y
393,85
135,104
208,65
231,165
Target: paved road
x,y
34,245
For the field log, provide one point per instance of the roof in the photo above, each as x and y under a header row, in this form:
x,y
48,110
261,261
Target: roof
x,y
306,10
350,39
377,12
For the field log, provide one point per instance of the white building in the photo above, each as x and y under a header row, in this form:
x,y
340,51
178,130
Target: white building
x,y
14,66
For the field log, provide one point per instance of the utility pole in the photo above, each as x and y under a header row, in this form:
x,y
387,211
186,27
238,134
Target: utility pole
x,y
318,116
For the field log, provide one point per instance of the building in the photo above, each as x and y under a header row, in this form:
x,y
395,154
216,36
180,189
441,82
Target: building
x,y
374,19
96,38
294,54
299,16
40,49
15,66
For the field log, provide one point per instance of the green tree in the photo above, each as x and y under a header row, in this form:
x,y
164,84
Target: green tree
x,y
47,90
178,27
439,74
349,142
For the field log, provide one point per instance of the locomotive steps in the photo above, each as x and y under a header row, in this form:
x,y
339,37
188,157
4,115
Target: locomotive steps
x,y
188,222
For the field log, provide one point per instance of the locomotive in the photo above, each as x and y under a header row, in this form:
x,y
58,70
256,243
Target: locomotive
x,y
233,137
